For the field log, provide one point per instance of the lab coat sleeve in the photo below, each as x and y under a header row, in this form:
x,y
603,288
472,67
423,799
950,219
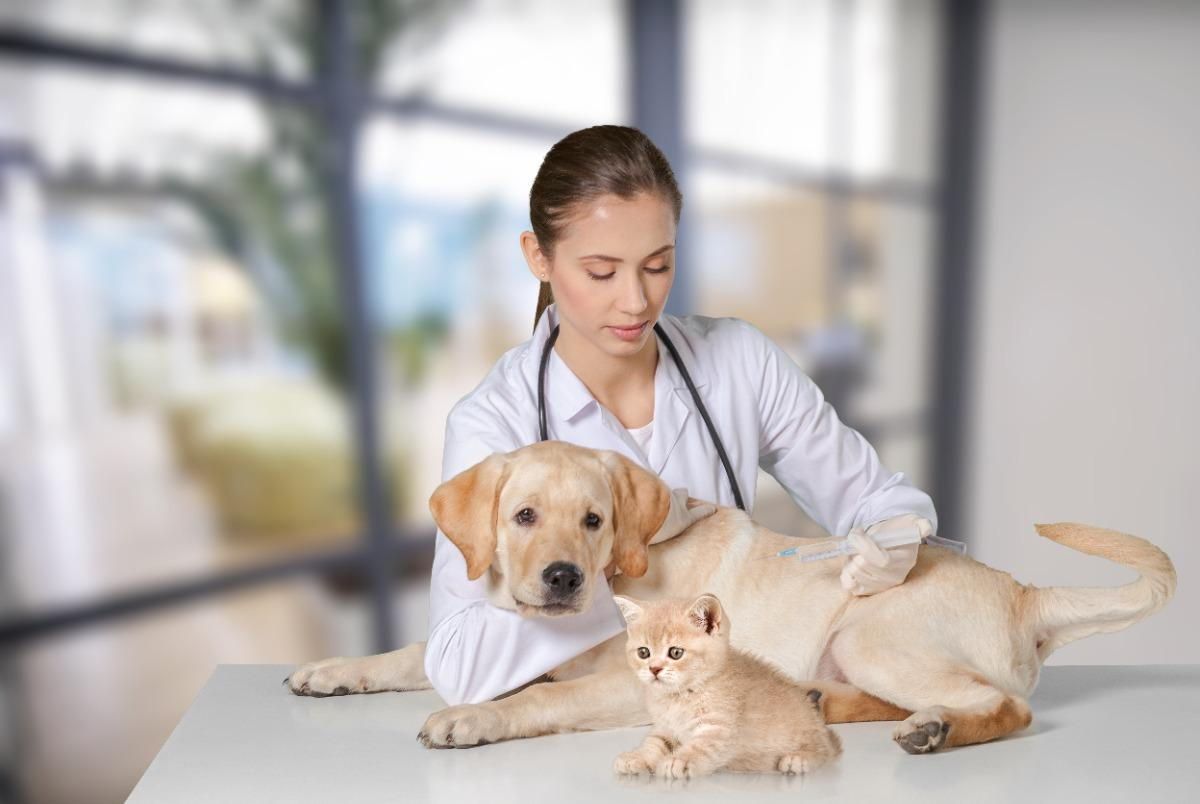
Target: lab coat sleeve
x,y
829,469
475,650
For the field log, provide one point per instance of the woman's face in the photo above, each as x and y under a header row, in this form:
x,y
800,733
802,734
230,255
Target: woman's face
x,y
612,271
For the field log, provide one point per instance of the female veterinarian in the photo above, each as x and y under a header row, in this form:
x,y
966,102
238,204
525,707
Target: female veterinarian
x,y
604,209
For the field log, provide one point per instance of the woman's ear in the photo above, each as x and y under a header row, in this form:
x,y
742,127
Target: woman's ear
x,y
465,508
535,258
641,502
630,609
706,614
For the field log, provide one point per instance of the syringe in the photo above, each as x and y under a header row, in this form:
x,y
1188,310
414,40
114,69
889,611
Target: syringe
x,y
832,548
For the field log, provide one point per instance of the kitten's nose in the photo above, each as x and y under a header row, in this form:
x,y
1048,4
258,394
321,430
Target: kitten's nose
x,y
655,670
563,579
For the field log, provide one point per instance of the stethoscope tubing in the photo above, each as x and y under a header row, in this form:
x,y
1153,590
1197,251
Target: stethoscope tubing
x,y
687,378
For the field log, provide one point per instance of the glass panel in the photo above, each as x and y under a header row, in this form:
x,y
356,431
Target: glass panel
x,y
860,329
172,337
819,86
558,61
268,36
96,705
443,209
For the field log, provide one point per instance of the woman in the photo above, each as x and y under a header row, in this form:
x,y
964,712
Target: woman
x,y
604,209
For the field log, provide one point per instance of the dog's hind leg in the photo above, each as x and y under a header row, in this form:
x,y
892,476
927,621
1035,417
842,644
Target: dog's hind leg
x,y
936,727
951,704
845,703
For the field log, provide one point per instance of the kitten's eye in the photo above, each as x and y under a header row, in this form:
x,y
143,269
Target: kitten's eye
x,y
526,516
592,521
675,653
643,653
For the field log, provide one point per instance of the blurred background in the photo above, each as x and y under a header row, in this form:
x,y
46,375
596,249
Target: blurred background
x,y
251,253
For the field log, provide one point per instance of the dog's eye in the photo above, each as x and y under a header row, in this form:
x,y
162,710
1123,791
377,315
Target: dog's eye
x,y
592,520
526,516
643,653
675,653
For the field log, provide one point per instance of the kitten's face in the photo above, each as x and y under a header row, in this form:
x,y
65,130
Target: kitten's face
x,y
675,644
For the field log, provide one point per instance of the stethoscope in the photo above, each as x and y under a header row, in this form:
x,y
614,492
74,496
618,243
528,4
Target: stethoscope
x,y
687,378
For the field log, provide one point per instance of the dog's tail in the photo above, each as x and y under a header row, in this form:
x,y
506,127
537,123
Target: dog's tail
x,y
1063,614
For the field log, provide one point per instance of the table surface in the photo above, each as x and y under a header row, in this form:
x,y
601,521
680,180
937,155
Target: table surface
x,y
1099,734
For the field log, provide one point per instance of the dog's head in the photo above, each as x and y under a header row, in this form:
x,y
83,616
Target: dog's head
x,y
547,519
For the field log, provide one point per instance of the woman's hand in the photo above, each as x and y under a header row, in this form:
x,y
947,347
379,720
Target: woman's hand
x,y
684,512
875,569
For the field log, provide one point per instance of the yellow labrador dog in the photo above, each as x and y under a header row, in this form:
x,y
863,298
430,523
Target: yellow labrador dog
x,y
953,653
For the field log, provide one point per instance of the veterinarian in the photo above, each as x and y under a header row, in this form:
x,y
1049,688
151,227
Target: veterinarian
x,y
604,208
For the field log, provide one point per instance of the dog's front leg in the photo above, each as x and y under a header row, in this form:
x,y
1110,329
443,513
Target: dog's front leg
x,y
607,700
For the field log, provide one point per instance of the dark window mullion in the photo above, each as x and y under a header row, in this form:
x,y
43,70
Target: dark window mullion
x,y
342,107
22,628
22,44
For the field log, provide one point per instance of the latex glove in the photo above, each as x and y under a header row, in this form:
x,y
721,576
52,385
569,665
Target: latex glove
x,y
684,512
874,569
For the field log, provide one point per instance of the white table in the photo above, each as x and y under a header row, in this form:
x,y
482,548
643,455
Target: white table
x,y
1127,734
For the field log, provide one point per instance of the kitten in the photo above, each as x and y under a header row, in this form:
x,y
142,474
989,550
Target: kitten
x,y
714,706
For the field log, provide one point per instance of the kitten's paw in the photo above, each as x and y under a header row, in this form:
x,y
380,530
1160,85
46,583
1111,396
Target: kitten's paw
x,y
924,731
631,763
793,764
681,768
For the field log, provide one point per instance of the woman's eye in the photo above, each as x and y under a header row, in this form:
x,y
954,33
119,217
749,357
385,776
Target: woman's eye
x,y
643,653
675,653
592,521
604,277
526,516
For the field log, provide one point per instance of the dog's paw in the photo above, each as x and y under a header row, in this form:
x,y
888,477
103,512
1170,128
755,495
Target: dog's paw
x,y
336,676
462,726
923,732
631,763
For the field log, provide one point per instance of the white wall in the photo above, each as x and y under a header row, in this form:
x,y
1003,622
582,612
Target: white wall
x,y
1087,330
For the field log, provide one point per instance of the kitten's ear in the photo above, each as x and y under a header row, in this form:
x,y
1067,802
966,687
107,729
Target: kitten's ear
x,y
630,610
706,614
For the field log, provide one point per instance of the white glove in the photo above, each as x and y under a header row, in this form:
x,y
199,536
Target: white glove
x,y
684,512
874,569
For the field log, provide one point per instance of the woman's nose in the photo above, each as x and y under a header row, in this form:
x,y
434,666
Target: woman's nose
x,y
633,295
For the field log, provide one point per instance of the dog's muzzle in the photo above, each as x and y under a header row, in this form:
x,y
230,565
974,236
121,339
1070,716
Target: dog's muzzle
x,y
562,581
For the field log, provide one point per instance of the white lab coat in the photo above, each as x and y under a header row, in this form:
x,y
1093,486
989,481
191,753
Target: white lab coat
x,y
767,412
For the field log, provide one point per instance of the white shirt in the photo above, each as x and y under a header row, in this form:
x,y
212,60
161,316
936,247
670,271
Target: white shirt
x,y
641,435
767,412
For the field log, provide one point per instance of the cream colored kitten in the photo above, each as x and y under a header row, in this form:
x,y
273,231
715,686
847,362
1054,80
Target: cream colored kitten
x,y
714,706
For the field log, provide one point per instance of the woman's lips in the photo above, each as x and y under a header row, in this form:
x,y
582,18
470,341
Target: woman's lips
x,y
629,333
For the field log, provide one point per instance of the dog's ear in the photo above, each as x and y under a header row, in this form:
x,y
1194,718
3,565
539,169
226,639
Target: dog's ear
x,y
630,609
706,614
641,502
465,508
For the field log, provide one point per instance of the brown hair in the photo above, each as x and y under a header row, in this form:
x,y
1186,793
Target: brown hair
x,y
588,164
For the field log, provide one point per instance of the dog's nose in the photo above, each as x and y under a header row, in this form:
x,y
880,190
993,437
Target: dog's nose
x,y
562,578
655,670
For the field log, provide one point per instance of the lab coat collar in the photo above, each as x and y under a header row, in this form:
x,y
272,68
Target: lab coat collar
x,y
672,405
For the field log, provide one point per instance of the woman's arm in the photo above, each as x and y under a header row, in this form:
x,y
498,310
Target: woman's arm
x,y
475,650
829,469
